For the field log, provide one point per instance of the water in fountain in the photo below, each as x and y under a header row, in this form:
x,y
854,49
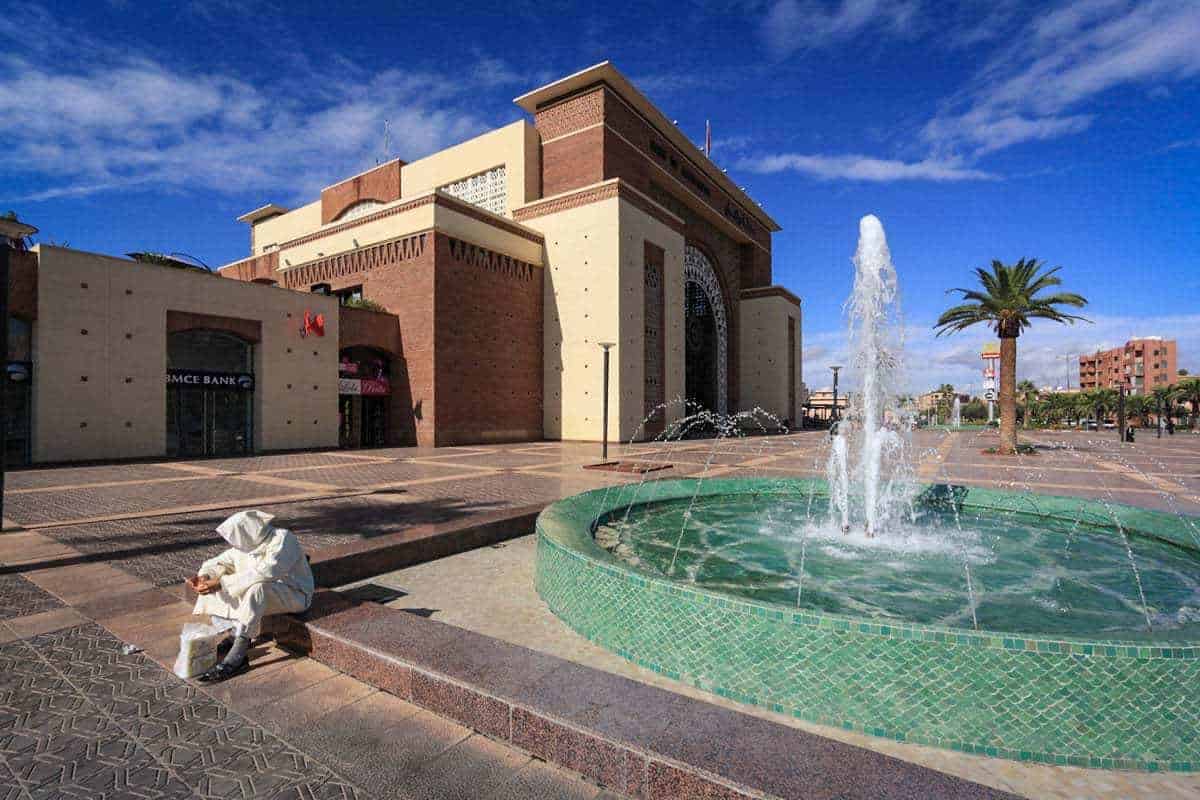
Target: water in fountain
x,y
956,413
871,490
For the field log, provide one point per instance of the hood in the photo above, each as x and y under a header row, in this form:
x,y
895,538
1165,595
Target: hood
x,y
246,530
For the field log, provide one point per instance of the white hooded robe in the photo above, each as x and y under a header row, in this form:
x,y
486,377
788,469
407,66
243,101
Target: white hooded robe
x,y
263,573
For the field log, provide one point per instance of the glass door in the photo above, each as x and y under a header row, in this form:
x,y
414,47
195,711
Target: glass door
x,y
227,416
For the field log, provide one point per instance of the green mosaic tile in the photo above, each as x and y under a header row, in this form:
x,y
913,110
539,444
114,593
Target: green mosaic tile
x,y
1052,700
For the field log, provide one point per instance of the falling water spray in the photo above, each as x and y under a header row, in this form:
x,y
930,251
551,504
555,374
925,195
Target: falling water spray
x,y
871,490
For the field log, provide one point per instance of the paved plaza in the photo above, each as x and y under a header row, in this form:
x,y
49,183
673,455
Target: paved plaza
x,y
93,556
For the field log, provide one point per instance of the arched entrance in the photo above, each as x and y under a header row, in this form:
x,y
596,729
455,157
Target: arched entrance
x,y
706,333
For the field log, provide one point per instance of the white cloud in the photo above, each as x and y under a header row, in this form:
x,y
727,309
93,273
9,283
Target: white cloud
x,y
1067,56
791,25
864,168
115,121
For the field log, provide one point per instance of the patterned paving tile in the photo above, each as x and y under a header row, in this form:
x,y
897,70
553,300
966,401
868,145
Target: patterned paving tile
x,y
80,719
85,502
20,597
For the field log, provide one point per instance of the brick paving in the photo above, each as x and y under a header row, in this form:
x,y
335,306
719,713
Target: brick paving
x,y
53,578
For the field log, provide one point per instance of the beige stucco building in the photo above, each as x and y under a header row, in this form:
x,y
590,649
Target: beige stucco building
x,y
623,228
129,359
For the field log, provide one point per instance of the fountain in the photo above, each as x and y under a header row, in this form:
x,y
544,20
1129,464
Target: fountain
x,y
1031,627
956,413
880,479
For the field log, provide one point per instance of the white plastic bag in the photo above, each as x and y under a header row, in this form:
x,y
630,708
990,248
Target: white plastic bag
x,y
197,649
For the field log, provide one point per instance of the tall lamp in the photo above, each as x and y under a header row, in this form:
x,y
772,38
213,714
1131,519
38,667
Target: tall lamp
x,y
835,369
606,346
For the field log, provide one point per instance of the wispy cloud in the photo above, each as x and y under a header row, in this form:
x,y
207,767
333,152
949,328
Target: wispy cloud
x,y
864,168
1031,90
117,121
792,25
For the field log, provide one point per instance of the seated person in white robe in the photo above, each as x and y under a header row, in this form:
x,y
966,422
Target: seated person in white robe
x,y
265,572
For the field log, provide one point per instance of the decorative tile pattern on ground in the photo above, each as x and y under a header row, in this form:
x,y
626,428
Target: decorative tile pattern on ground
x,y
19,598
1057,701
79,719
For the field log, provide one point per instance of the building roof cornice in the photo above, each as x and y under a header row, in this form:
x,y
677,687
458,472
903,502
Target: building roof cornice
x,y
607,74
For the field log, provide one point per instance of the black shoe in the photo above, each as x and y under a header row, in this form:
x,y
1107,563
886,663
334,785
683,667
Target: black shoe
x,y
223,672
224,647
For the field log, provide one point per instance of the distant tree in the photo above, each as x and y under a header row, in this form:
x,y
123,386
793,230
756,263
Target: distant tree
x,y
1028,394
1183,373
1007,301
1188,390
975,410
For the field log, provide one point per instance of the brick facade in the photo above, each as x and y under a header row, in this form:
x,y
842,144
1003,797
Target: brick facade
x,y
488,328
381,184
22,284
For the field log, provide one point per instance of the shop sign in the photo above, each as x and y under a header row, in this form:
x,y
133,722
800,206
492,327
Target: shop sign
x,y
314,324
204,379
369,387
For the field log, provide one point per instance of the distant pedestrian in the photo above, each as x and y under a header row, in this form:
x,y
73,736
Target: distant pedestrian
x,y
1170,427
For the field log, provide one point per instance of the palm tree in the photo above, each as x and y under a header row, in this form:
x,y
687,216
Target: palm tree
x,y
1138,405
1028,393
1104,401
1007,301
1162,403
1188,390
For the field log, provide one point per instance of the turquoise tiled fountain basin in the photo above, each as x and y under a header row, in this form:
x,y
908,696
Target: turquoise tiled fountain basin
x,y
1051,699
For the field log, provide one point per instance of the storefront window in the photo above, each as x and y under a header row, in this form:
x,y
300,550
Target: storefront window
x,y
210,392
364,389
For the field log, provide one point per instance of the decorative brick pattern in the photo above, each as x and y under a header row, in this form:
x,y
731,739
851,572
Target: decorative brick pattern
x,y
355,262
570,115
490,260
1055,701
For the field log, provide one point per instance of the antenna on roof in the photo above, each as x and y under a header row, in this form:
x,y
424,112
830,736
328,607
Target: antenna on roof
x,y
707,138
387,142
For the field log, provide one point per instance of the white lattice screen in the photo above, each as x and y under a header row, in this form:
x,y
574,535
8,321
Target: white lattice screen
x,y
486,189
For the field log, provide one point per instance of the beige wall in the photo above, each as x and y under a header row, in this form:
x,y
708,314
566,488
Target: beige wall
x,y
123,307
417,219
515,146
595,258
285,227
763,343
581,289
637,228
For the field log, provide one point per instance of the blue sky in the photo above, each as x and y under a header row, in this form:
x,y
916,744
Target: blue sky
x,y
975,130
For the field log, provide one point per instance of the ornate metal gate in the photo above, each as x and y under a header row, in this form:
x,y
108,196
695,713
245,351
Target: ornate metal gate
x,y
706,333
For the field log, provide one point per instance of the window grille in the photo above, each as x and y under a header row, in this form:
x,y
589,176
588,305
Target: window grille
x,y
487,189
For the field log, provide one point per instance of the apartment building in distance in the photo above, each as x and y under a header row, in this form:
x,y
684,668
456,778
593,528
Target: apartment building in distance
x,y
1141,365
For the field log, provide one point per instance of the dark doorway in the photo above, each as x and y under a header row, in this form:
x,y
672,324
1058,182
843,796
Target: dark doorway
x,y
210,394
700,339
364,397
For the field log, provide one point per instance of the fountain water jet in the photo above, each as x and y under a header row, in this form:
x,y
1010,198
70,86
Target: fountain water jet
x,y
873,490
956,413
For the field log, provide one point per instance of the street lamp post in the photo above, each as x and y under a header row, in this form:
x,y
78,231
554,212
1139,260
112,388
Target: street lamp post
x,y
1121,412
606,346
834,412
